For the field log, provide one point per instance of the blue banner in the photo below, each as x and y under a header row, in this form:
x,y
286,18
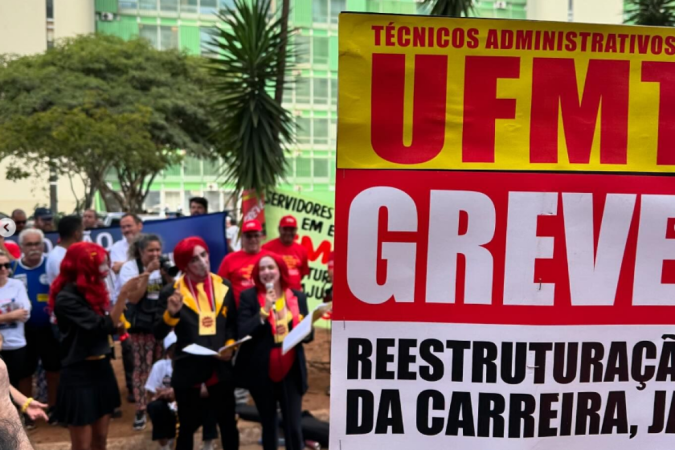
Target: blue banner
x,y
210,227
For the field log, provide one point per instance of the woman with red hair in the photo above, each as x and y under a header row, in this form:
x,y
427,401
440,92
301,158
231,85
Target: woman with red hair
x,y
201,310
267,313
87,393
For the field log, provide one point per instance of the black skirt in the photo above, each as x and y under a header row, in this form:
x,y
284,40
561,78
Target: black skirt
x,y
87,392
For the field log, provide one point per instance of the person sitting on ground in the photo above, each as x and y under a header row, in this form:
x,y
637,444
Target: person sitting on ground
x,y
161,399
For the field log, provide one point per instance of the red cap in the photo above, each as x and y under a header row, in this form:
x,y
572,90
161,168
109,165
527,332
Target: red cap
x,y
13,249
251,225
288,222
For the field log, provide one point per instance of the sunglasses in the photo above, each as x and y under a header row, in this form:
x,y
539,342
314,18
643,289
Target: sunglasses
x,y
6,266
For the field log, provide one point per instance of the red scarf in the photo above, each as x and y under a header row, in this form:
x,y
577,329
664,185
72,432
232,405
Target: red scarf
x,y
281,364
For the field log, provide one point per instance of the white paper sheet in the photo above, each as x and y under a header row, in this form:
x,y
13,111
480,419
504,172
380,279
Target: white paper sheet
x,y
195,349
304,328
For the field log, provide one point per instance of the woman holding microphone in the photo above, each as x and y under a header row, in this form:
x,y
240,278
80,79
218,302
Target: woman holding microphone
x,y
267,313
87,393
201,310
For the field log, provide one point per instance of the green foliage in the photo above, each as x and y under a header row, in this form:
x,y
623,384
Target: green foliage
x,y
97,103
252,128
450,8
651,12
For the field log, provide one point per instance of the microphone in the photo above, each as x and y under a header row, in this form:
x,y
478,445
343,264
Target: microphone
x,y
269,286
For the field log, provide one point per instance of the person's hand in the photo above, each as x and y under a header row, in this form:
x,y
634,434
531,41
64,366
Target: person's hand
x,y
281,329
154,265
2,341
226,355
36,410
19,315
175,303
132,285
270,300
169,395
204,392
117,266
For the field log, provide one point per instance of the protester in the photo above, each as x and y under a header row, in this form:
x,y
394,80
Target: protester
x,y
70,232
14,312
90,219
202,311
43,220
162,401
294,254
267,313
19,218
237,266
41,342
131,226
142,312
88,392
199,206
232,235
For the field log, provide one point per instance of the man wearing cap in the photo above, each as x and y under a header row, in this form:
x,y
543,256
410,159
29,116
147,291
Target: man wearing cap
x,y
237,266
294,254
43,220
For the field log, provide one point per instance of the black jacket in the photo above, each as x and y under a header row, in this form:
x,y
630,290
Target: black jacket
x,y
253,359
84,333
190,370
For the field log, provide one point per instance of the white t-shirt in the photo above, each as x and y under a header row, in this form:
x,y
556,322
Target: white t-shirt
x,y
119,250
232,235
160,376
130,270
54,262
13,296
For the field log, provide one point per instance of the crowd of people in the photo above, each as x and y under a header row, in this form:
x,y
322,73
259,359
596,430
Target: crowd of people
x,y
61,312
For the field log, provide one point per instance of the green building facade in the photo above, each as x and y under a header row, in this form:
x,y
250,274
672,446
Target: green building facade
x,y
312,99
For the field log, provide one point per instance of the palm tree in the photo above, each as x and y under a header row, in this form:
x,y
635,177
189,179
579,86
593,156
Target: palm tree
x,y
252,127
651,12
451,8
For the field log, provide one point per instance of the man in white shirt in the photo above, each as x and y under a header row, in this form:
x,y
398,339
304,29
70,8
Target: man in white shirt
x,y
131,226
232,235
70,231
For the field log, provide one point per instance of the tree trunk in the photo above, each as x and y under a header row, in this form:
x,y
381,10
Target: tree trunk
x,y
281,68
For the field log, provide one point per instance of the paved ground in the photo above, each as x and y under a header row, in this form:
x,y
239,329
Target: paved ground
x,y
123,437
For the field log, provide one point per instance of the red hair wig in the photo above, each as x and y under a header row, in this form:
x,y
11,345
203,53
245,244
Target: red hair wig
x,y
82,266
184,250
284,278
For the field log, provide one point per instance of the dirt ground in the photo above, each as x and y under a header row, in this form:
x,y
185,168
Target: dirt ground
x,y
316,399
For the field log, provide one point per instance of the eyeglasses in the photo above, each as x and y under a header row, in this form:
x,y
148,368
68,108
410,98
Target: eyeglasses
x,y
5,266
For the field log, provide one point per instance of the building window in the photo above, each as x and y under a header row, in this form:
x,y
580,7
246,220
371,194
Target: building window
x,y
193,167
320,50
153,201
207,41
149,32
320,91
320,131
148,5
320,11
336,7
50,9
213,197
128,4
303,90
333,91
172,200
208,6
303,130
320,166
226,4
168,5
302,49
189,6
332,141
168,37
303,167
